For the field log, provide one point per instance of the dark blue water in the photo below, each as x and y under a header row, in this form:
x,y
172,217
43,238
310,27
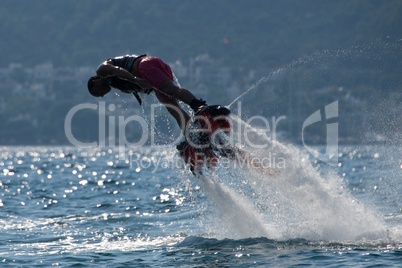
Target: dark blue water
x,y
65,206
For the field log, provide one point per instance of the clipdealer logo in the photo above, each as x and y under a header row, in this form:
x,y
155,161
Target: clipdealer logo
x,y
331,146
119,140
107,136
109,123
121,123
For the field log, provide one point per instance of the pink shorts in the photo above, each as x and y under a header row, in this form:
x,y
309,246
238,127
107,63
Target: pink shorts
x,y
154,70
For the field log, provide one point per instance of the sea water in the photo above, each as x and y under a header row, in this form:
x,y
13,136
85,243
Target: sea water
x,y
68,206
65,206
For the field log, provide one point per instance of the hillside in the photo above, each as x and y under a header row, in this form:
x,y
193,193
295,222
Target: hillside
x,y
296,56
262,34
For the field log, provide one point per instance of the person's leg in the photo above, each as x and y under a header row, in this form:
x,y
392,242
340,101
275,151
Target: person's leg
x,y
160,76
155,71
181,117
170,89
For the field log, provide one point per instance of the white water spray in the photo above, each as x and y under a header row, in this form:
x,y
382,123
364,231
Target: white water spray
x,y
302,203
298,200
238,218
294,201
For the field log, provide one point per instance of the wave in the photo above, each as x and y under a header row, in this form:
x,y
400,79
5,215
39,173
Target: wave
x,y
266,243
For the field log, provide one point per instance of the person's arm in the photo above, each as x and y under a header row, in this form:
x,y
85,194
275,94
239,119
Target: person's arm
x,y
107,69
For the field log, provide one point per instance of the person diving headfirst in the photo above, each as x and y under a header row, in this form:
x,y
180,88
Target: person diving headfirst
x,y
144,74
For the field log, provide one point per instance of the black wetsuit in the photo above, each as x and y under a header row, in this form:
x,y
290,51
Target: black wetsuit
x,y
126,62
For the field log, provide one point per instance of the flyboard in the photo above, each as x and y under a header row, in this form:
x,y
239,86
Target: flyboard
x,y
207,140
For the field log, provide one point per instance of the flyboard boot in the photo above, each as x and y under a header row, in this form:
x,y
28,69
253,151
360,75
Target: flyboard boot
x,y
205,138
